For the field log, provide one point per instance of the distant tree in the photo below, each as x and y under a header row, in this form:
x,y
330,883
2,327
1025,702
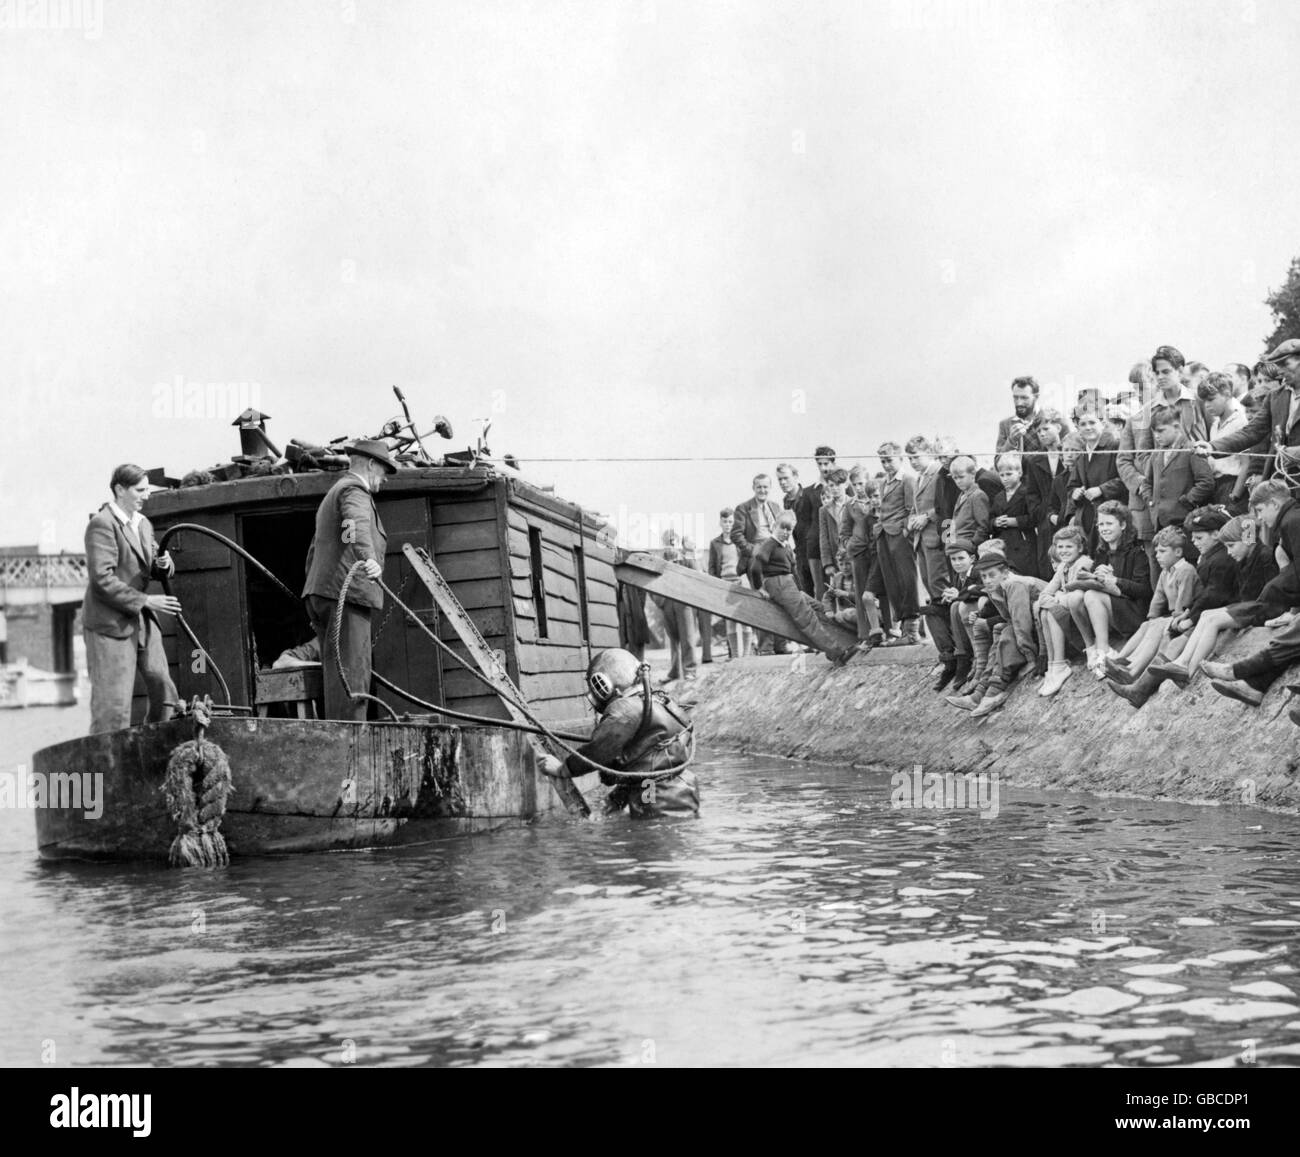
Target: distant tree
x,y
1285,304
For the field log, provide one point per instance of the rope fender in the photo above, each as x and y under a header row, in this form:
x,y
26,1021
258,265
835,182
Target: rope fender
x,y
197,786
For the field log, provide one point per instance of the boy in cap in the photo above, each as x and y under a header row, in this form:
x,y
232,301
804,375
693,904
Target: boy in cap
x,y
946,614
1015,644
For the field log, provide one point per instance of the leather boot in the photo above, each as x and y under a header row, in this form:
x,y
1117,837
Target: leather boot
x,y
946,674
962,671
1139,691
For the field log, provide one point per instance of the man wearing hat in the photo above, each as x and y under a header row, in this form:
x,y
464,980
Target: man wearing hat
x,y
348,531
1277,420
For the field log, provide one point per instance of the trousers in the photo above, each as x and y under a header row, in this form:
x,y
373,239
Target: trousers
x,y
898,569
1261,668
354,650
803,609
113,664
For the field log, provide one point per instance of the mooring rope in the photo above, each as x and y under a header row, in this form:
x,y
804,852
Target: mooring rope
x,y
197,786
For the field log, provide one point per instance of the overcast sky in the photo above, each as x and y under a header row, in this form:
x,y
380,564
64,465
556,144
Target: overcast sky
x,y
650,229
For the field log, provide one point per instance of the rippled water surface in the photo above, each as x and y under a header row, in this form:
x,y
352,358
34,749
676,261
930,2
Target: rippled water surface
x,y
800,921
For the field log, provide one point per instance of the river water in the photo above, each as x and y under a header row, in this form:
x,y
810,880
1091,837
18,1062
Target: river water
x,y
801,921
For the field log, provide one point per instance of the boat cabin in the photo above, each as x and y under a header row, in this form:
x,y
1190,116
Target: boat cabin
x,y
533,572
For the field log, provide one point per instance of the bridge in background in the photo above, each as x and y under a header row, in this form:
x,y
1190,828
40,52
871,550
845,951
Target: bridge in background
x,y
40,595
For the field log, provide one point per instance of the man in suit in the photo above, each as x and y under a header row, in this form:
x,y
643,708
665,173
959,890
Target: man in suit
x,y
348,531
119,618
1276,419
755,523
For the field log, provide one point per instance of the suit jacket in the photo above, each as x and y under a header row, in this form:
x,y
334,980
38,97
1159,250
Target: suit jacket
x,y
858,530
805,507
1267,422
971,519
348,510
830,536
1132,462
1180,482
744,530
119,571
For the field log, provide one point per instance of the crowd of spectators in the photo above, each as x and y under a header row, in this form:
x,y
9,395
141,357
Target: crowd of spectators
x,y
1130,533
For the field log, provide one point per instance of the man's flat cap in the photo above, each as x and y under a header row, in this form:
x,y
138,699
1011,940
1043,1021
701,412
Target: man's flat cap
x,y
1288,349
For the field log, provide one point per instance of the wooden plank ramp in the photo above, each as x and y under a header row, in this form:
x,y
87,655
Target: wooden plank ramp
x,y
726,600
489,662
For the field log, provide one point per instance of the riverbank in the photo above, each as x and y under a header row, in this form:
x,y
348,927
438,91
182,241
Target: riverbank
x,y
1194,746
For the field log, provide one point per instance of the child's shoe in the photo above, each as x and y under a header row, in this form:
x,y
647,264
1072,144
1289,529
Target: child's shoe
x,y
1057,674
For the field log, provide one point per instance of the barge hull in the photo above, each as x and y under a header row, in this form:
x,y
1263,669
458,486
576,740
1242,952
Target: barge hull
x,y
299,786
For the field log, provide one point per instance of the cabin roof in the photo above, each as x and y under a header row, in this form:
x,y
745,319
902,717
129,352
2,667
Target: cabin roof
x,y
259,490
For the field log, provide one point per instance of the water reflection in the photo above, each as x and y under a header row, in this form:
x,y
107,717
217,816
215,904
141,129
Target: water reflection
x,y
801,921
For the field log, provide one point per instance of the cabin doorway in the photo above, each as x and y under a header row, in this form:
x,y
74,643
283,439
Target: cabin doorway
x,y
277,624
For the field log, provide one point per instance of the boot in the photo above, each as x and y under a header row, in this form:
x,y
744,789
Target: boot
x,y
1057,674
965,702
962,673
1174,672
1120,671
947,672
1139,691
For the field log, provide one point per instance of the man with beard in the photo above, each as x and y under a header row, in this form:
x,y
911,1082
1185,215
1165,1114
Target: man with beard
x,y
1019,432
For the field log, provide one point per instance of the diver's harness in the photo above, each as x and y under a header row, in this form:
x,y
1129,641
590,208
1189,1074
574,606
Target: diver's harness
x,y
686,737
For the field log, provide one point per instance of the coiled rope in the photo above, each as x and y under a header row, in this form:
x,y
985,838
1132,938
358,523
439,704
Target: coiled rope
x,y
197,786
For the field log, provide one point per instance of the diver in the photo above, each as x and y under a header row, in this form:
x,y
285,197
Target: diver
x,y
642,744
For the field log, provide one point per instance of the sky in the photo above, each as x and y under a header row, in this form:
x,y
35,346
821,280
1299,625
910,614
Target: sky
x,y
649,230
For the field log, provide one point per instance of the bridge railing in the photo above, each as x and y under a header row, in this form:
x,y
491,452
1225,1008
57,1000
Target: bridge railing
x,y
43,570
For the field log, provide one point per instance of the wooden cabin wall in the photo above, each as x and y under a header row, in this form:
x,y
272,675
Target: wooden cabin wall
x,y
552,670
467,550
401,651
206,574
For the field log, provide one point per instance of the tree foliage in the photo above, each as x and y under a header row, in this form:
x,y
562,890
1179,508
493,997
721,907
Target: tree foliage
x,y
1285,304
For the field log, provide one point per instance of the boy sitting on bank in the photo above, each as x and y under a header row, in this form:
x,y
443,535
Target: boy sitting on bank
x,y
1254,566
947,615
1176,590
1015,643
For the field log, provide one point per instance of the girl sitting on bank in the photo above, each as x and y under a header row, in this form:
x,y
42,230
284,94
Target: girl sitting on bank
x,y
1115,594
1053,613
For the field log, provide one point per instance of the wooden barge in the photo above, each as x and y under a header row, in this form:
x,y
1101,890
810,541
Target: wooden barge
x,y
532,572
